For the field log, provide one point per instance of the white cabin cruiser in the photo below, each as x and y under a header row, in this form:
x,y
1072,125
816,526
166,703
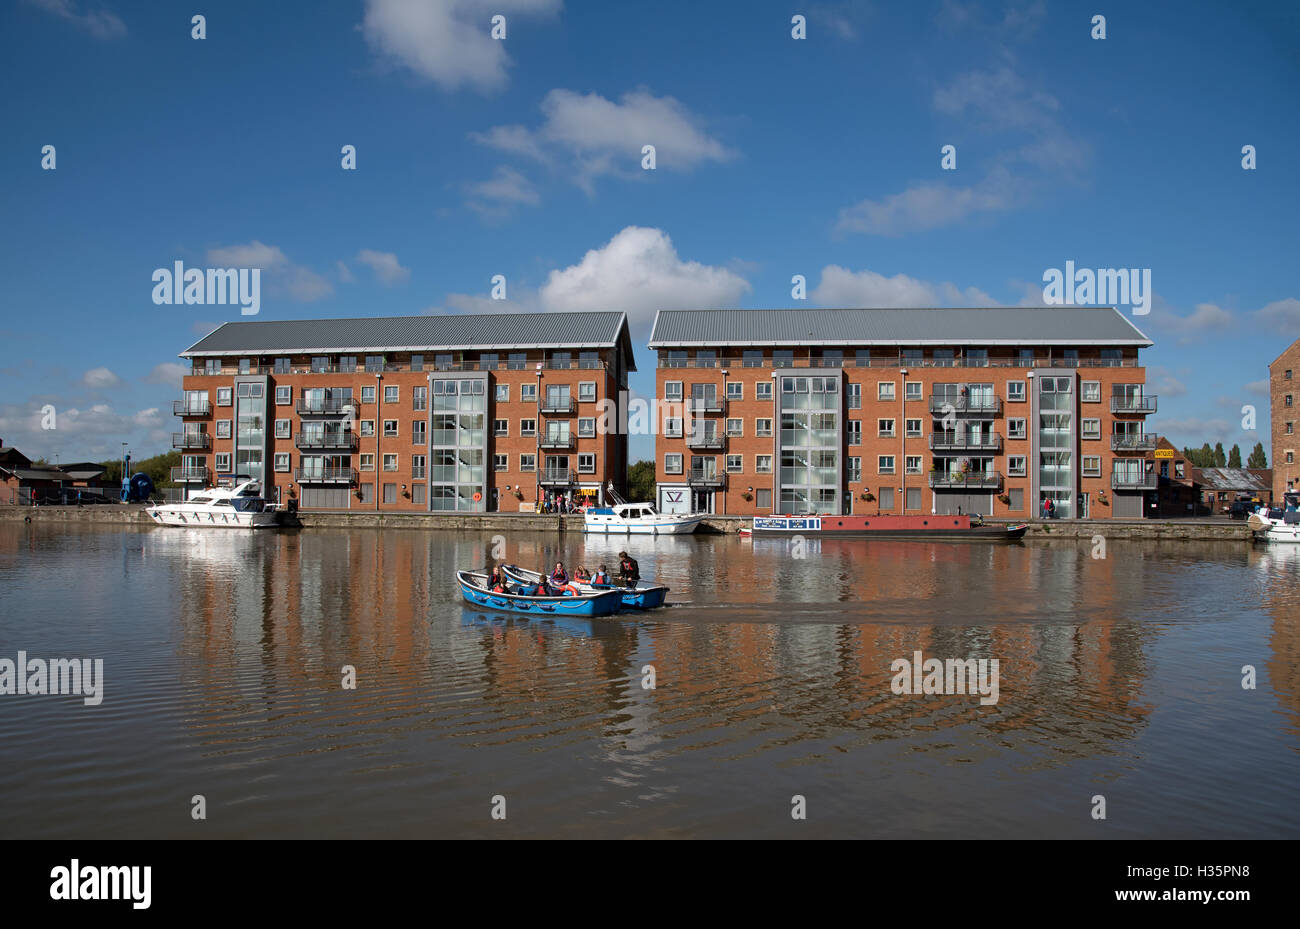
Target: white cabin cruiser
x,y
638,519
1279,524
237,507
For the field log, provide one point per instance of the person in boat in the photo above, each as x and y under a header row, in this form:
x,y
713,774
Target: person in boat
x,y
581,576
601,576
496,582
559,576
629,572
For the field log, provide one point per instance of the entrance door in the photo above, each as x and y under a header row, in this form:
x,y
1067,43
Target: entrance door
x,y
701,501
1085,505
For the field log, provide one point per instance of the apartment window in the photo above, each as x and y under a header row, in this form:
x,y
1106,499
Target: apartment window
x,y
367,462
763,427
763,464
390,427
245,365
500,462
1092,466
676,359
753,358
1091,429
587,392
527,462
1178,470
1016,391
1090,391
417,362
673,463
417,466
735,427
735,464
1289,427
348,364
977,358
763,390
419,398
586,463
283,396
390,493
516,361
528,393
223,461
912,356
735,390
1015,428
211,366
783,358
374,363
1290,457
501,427
855,431
885,428
588,360
320,364
417,494
417,431
885,390
282,461
854,393
855,469
367,492
224,397
885,464
763,499
503,393
1016,465
390,462
586,427
390,393
368,394
1286,402
673,427
367,427
223,429
914,390
282,429
913,428
672,390
913,463
528,427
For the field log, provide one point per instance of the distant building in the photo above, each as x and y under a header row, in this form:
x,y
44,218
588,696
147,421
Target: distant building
x,y
1282,393
20,480
921,410
1175,491
1221,486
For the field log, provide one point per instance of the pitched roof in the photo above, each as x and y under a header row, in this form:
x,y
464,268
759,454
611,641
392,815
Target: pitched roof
x,y
1004,325
1235,478
416,333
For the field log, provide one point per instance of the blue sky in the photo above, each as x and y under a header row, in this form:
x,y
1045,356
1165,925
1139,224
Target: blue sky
x,y
522,157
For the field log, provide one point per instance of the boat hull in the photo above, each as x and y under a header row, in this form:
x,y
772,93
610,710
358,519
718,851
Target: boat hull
x,y
596,604
917,528
632,598
200,519
1272,530
607,525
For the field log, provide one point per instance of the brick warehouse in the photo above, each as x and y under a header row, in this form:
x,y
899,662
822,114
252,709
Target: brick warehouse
x,y
1282,394
411,413
862,411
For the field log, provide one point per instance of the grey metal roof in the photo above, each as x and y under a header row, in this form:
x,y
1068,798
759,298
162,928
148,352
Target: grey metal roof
x,y
414,333
1004,325
1234,478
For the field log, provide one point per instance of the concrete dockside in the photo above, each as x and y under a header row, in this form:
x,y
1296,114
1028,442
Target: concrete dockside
x,y
1199,530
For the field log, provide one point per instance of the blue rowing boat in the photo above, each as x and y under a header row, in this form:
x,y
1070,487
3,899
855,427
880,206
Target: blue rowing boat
x,y
648,597
473,587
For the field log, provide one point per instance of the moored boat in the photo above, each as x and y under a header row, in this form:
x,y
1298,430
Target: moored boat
x,y
647,597
237,507
638,519
473,587
1279,524
931,527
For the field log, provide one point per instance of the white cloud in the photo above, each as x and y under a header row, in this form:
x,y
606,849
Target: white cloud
x,y
639,271
1258,388
91,433
100,379
921,207
506,188
840,287
1204,319
1194,432
1164,382
1282,316
282,275
344,272
596,136
448,42
385,265
169,374
102,24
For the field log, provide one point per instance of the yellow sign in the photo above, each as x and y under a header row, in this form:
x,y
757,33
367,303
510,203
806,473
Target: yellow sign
x,y
1164,453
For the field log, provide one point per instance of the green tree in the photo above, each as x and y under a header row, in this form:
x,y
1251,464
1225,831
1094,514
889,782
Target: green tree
x,y
1257,457
641,481
1206,456
1220,459
1234,457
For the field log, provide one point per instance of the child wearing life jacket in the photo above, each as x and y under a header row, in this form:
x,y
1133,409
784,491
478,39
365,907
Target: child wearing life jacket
x,y
559,577
601,576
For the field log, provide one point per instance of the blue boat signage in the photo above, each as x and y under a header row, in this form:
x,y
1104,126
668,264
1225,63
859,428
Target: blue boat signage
x,y
788,523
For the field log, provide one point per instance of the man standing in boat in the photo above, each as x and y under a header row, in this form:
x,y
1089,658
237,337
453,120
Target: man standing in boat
x,y
629,572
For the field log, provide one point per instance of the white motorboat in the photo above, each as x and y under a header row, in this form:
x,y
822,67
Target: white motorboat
x,y
1277,525
638,519
237,507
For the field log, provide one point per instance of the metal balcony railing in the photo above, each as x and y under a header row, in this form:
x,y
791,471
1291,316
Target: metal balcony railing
x,y
705,440
328,439
1129,481
955,442
325,475
191,408
706,478
699,405
563,406
191,440
968,480
557,476
184,475
1137,443
965,405
323,405
557,441
1133,404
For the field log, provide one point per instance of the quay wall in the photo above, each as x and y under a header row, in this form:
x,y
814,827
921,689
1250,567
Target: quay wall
x,y
1187,530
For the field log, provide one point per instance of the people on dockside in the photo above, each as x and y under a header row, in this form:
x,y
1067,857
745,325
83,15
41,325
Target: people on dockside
x,y
629,572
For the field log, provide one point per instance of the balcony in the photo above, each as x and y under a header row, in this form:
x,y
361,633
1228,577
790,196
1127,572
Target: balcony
x,y
558,406
331,438
706,405
561,476
965,406
969,480
557,441
1134,443
190,475
191,440
705,440
956,442
705,478
1129,481
325,475
324,405
191,408
1132,404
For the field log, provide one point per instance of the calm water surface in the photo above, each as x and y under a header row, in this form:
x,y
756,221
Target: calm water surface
x,y
222,657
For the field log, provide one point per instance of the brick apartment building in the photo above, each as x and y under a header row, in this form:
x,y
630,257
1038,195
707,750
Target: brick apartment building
x,y
412,413
1282,391
869,411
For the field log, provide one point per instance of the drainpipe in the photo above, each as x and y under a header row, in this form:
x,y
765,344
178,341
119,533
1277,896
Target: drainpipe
x,y
726,445
379,416
902,442
537,434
